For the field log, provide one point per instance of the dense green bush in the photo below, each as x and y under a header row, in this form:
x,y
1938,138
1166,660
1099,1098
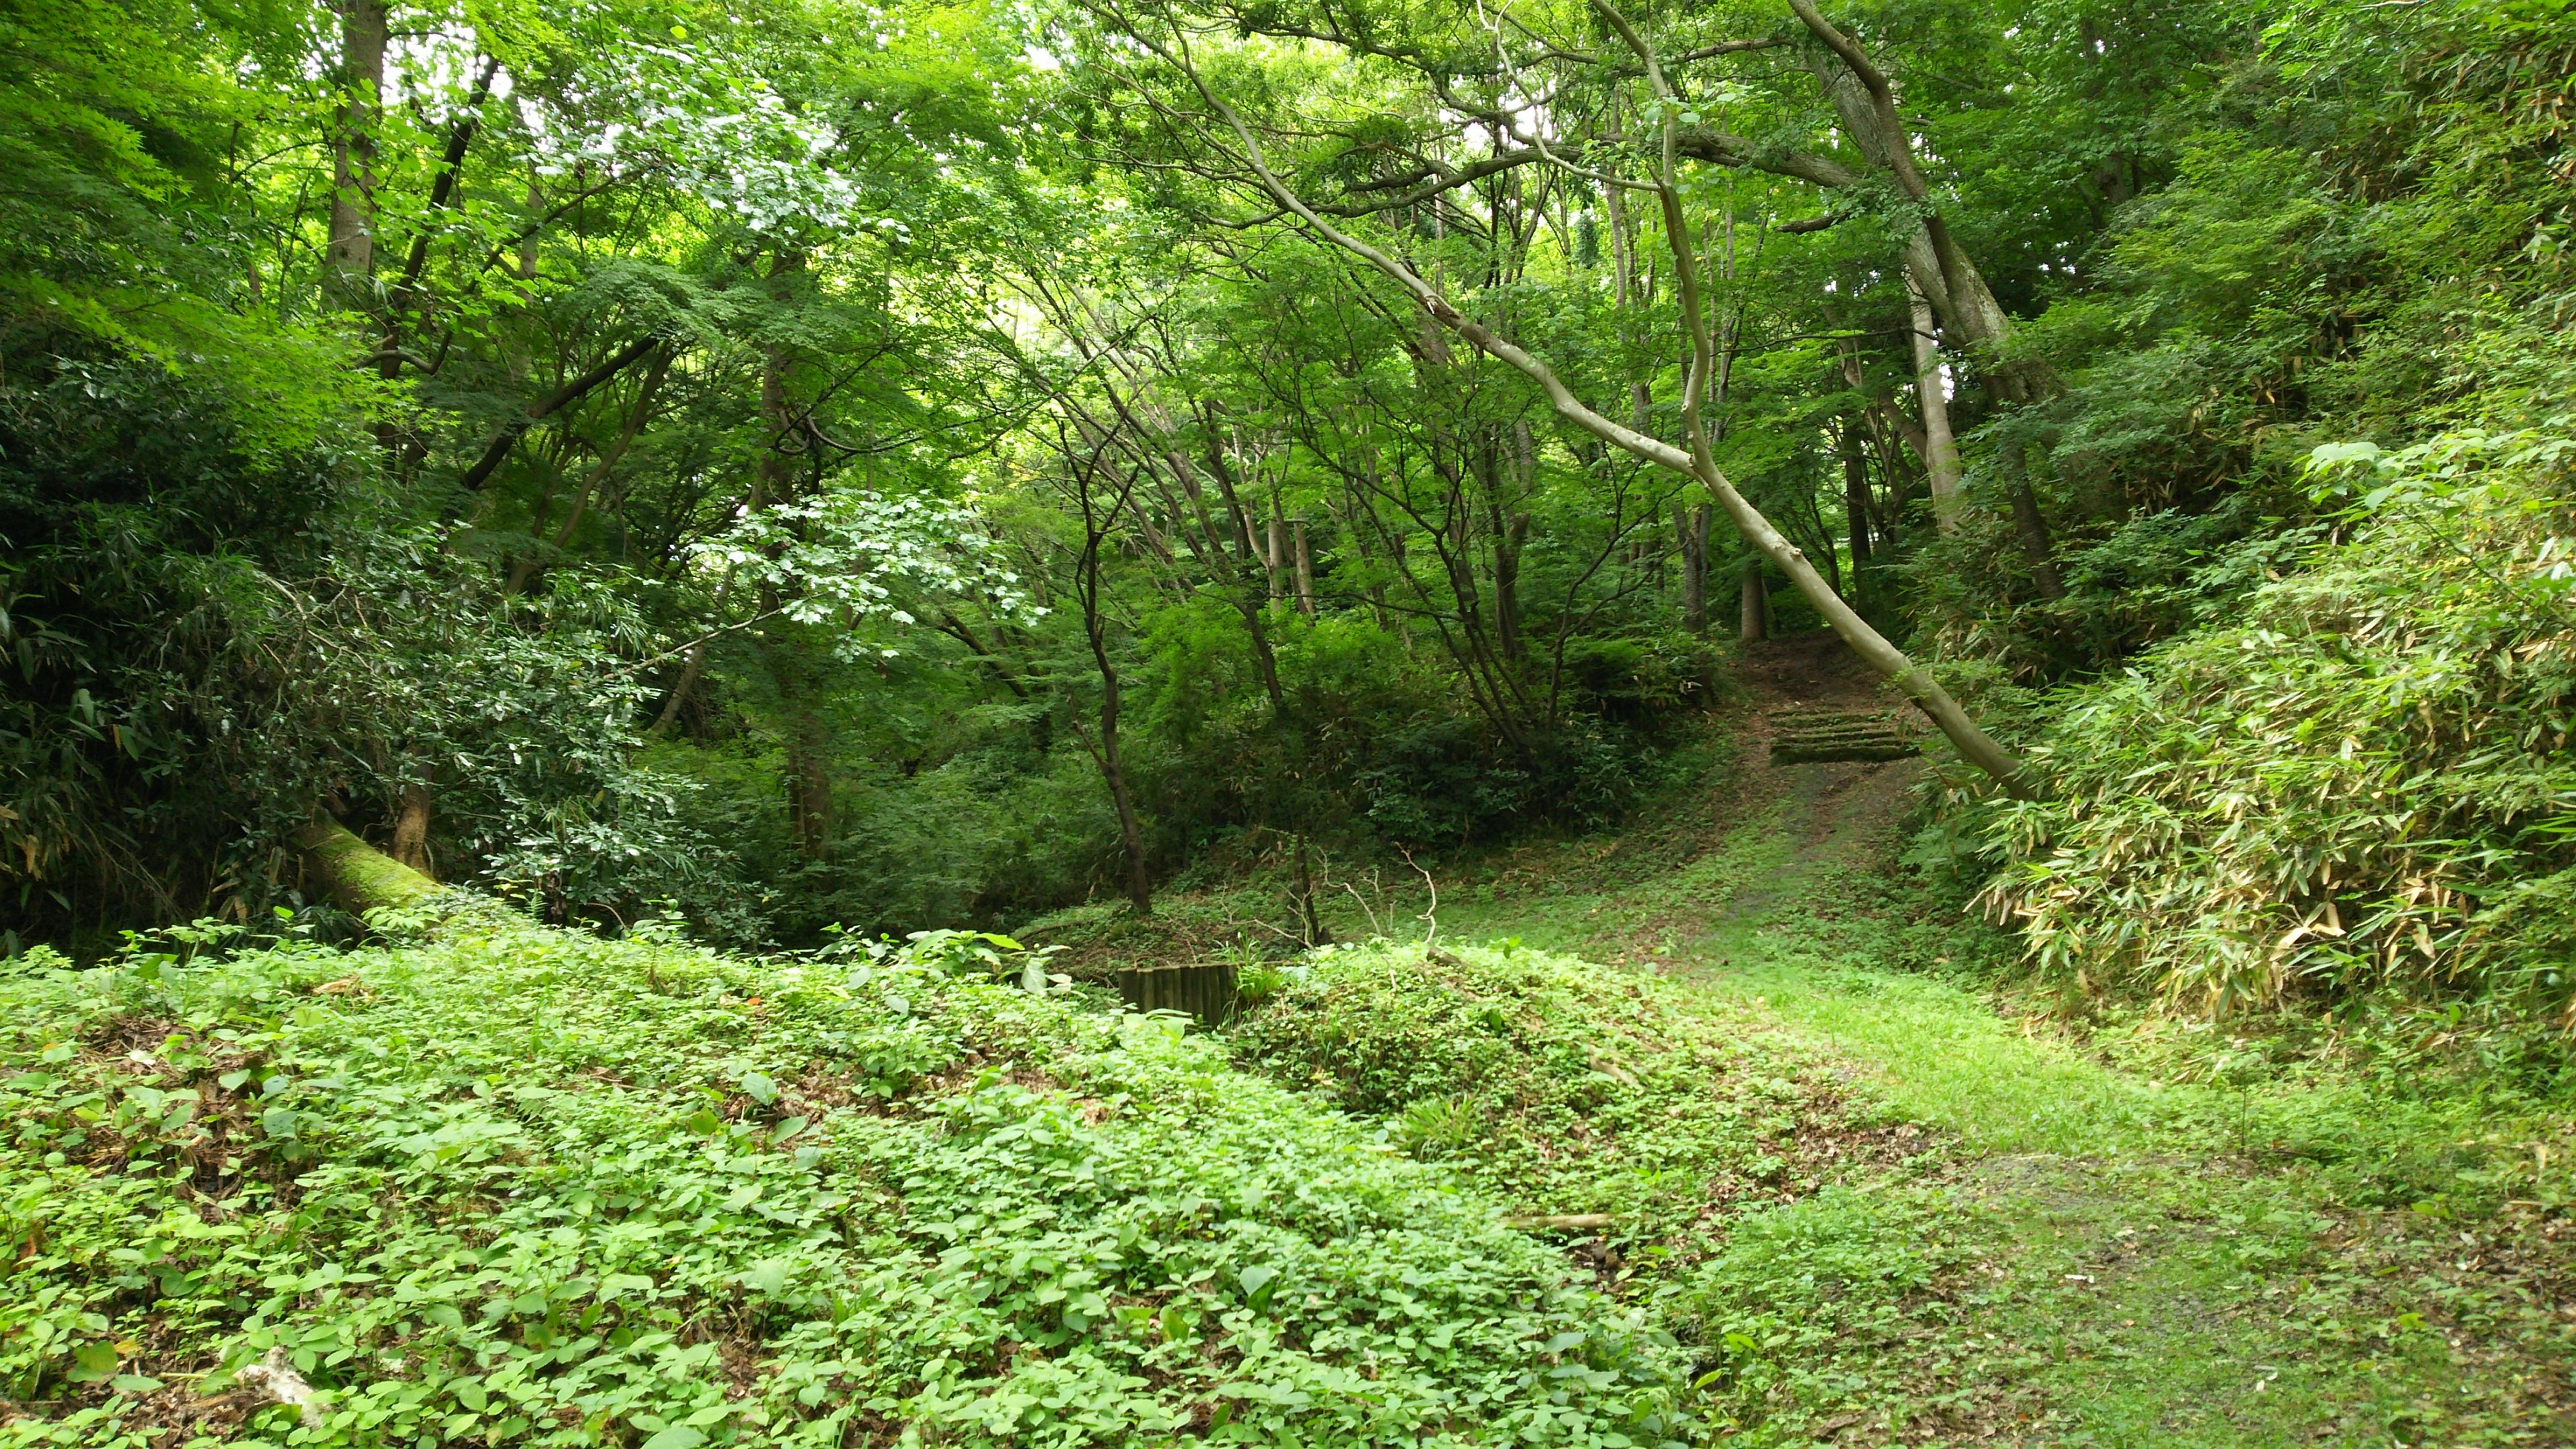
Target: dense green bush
x,y
2354,774
217,628
528,1186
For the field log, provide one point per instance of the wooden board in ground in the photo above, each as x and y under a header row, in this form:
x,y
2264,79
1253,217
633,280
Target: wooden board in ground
x,y
1204,991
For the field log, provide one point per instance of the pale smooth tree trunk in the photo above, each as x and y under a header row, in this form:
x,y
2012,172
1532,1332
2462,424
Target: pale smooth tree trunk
x,y
1940,450
352,244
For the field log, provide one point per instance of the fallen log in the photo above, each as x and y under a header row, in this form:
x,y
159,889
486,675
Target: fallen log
x,y
356,876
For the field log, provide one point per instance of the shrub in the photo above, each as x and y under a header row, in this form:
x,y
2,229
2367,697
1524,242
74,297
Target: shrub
x,y
2356,776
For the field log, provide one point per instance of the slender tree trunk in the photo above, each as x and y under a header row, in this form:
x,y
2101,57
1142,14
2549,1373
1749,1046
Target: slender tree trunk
x,y
692,665
1507,586
1305,569
2033,530
1247,599
1690,531
1855,497
1275,557
351,247
1753,613
1108,755
807,738
1940,450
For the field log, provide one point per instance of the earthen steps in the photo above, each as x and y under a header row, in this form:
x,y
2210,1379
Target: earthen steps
x,y
1812,735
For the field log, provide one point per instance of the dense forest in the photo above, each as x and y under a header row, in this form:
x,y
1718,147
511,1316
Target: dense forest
x,y
622,618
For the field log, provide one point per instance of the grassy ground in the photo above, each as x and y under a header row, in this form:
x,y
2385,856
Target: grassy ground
x,y
2127,1233
2271,1258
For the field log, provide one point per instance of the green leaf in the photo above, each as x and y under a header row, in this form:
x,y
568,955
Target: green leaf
x,y
92,1362
678,1436
1258,1282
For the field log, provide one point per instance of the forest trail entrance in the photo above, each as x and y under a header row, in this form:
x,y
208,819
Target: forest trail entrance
x,y
2120,1251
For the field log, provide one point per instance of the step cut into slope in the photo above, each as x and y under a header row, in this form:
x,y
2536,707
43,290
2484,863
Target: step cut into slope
x,y
1801,735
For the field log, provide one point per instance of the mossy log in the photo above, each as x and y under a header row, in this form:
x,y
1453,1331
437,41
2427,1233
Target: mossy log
x,y
356,876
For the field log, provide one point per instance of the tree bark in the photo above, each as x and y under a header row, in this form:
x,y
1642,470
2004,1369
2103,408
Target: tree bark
x,y
1248,595
351,248
1305,569
1690,530
1940,450
1107,753
1855,497
411,830
354,875
2033,530
1753,611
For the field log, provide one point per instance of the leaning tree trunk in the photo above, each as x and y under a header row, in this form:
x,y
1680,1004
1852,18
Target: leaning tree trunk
x,y
1973,743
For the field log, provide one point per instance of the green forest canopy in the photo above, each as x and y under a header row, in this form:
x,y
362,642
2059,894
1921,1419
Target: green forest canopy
x,y
801,464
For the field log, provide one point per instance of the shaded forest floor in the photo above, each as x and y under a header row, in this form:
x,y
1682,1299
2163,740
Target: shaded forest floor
x,y
2126,1232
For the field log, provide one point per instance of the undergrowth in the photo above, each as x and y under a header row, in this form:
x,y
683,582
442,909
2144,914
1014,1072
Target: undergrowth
x,y
1570,1090
520,1185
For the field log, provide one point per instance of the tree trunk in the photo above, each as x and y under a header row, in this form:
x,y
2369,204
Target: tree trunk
x,y
1940,450
352,245
691,666
411,830
807,738
354,875
1247,599
1275,557
1690,529
1305,570
1113,763
1753,613
1507,586
1855,497
2034,536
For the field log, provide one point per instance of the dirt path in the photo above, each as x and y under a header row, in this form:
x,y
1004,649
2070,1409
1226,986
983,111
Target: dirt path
x,y
2120,1259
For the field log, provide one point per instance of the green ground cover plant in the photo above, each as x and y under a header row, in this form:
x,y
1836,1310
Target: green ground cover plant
x,y
1571,1090
510,1184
